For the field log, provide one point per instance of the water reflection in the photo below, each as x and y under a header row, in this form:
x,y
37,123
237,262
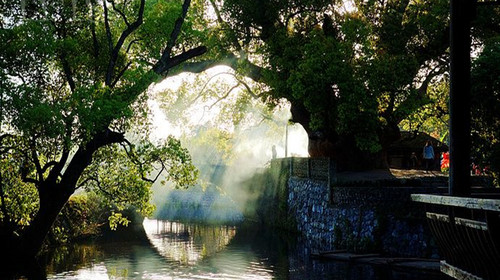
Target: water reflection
x,y
175,251
187,244
172,250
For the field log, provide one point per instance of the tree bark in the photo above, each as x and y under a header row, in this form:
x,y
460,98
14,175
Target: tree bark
x,y
52,200
342,148
54,194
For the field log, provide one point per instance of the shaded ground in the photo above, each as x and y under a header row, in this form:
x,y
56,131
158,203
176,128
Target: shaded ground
x,y
434,177
385,174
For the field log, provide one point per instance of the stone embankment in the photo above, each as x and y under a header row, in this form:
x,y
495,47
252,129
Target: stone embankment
x,y
361,212
361,219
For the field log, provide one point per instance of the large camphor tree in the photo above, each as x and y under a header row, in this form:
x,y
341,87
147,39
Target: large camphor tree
x,y
73,85
352,70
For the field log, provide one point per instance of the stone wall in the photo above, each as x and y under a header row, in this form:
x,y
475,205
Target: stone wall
x,y
372,218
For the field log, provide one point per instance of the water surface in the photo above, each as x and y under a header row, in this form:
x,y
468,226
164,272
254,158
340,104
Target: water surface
x,y
189,251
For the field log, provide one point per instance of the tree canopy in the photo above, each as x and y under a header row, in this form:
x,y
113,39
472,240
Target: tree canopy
x,y
74,80
351,70
355,72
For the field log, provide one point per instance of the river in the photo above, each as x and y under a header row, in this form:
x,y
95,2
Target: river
x,y
189,251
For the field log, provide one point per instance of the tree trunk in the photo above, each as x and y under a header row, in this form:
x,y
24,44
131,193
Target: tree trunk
x,y
54,195
52,200
342,148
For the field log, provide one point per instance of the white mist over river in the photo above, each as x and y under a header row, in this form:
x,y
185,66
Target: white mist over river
x,y
230,137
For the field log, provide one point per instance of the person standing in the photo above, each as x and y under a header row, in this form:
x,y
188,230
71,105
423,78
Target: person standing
x,y
428,156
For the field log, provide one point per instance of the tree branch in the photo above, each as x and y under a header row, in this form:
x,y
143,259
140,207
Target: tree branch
x,y
135,160
167,62
48,165
67,72
130,45
36,161
117,78
119,44
247,87
234,40
119,12
224,96
163,67
175,33
250,70
98,184
95,42
107,27
56,171
30,180
157,175
400,112
83,156
206,84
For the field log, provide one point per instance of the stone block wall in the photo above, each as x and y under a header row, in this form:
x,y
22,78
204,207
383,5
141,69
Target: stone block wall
x,y
379,219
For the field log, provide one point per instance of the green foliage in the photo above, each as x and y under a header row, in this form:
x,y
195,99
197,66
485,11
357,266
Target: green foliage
x,y
433,117
158,26
116,219
72,84
215,146
485,107
82,217
119,176
19,201
354,72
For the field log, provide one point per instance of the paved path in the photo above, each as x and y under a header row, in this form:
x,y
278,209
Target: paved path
x,y
385,174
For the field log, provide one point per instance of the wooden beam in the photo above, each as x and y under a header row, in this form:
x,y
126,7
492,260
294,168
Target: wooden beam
x,y
487,3
465,202
457,273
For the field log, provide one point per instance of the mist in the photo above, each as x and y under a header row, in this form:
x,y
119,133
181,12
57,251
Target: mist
x,y
230,136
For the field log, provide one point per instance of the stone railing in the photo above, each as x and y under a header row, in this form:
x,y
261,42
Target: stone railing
x,y
322,169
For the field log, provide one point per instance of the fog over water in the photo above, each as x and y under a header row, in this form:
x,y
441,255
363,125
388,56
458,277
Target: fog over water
x,y
230,136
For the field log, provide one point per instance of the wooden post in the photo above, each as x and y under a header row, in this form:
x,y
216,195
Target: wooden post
x,y
461,12
332,168
309,168
286,140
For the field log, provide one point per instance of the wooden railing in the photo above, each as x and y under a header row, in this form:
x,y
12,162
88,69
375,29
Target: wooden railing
x,y
467,232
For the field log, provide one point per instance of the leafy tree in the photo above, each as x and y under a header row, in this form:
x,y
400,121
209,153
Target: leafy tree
x,y
432,118
217,111
486,107
351,75
73,77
